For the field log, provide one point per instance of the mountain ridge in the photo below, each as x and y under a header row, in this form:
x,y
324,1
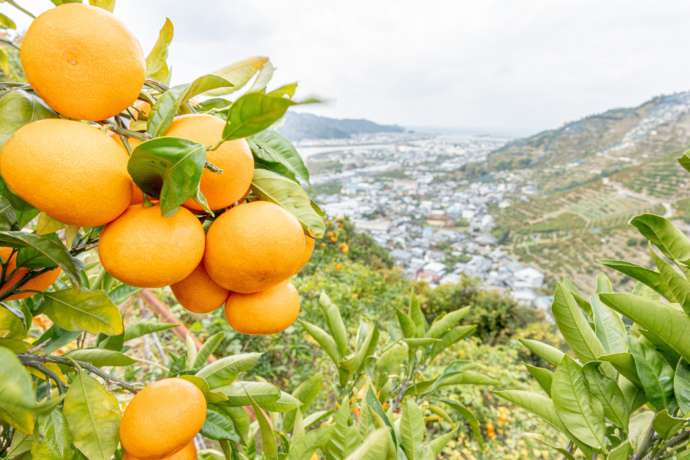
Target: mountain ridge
x,y
302,126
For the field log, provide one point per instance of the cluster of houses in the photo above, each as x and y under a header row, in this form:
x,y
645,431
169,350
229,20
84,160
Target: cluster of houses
x,y
406,192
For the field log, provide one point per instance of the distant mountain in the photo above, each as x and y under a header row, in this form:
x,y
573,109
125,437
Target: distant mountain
x,y
581,184
298,126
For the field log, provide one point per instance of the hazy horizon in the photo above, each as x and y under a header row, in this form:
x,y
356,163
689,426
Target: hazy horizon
x,y
496,66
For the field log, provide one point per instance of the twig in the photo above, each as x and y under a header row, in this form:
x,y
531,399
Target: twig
x,y
21,8
130,133
48,373
9,42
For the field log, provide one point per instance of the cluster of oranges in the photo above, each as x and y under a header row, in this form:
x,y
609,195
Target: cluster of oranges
x,y
87,66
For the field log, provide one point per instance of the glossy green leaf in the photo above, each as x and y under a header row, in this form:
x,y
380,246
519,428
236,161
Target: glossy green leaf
x,y
407,326
324,339
6,22
11,325
18,108
576,406
339,441
306,392
100,357
357,360
48,247
335,323
16,213
548,353
469,417
261,392
655,374
285,403
666,425
664,321
625,364
142,328
544,377
375,447
75,310
664,235
640,423
606,390
676,286
269,445
225,370
644,275
608,325
418,317
240,418
240,73
535,403
169,168
93,417
620,452
270,146
52,439
157,60
219,425
207,349
16,393
412,430
254,112
450,338
289,195
443,324
574,326
681,386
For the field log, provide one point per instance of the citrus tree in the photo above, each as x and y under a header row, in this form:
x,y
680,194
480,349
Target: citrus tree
x,y
114,181
622,390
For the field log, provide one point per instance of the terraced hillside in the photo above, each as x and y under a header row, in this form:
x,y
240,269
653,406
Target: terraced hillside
x,y
588,179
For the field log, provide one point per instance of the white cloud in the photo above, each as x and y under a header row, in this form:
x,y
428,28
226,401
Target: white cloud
x,y
516,65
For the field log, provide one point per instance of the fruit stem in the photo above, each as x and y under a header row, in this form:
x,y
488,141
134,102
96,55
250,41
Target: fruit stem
x,y
129,133
21,8
213,168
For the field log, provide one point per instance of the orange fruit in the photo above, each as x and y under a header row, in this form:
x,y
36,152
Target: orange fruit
x,y
141,109
198,293
188,452
72,171
14,275
162,418
143,248
265,312
233,157
308,250
83,61
253,246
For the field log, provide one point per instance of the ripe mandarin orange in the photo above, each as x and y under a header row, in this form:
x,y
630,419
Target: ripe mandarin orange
x,y
83,61
265,312
198,293
188,452
233,157
253,246
143,248
73,172
14,275
162,418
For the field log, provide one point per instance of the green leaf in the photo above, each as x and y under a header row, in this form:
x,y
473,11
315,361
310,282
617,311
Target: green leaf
x,y
157,60
644,275
338,444
241,420
207,349
471,419
639,426
15,211
375,447
608,324
416,342
169,168
288,194
625,364
418,317
75,310
18,108
239,73
355,362
677,287
656,375
108,5
271,147
11,325
49,247
664,321
544,377
335,323
142,328
93,416
667,425
219,425
16,393
412,430
52,439
576,406
468,377
444,323
664,235
324,339
306,392
451,337
606,390
285,403
261,392
574,326
263,78
681,386
7,22
302,447
100,357
269,446
548,353
623,451
407,326
225,370
251,113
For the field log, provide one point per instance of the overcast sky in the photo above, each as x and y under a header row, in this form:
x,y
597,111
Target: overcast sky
x,y
511,65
